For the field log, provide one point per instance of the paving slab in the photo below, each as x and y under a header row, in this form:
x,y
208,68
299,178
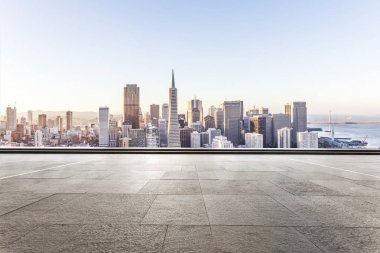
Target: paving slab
x,y
177,210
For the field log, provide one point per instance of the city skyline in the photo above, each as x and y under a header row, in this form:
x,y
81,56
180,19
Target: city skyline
x,y
252,51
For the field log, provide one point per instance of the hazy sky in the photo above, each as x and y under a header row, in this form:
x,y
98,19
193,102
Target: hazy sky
x,y
78,55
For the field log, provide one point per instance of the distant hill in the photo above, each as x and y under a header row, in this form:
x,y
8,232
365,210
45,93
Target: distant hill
x,y
79,118
319,118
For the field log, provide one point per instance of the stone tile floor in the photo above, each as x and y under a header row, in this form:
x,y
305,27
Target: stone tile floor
x,y
189,203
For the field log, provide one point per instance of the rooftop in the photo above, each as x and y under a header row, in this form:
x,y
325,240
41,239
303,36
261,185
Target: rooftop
x,y
181,203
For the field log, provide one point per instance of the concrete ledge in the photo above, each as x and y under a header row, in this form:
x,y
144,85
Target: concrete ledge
x,y
16,150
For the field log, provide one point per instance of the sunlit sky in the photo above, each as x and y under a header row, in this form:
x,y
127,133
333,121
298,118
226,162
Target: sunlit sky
x,y
78,55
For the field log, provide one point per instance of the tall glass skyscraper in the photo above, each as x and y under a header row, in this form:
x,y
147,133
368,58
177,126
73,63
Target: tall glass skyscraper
x,y
132,105
299,119
173,125
233,117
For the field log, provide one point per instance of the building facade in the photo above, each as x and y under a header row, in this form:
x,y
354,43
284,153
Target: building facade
x,y
103,126
173,125
233,119
132,105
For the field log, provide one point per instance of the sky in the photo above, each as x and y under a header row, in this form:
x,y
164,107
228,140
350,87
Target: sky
x,y
78,55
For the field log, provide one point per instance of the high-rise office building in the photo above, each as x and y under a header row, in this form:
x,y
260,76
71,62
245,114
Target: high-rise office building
x,y
50,123
146,119
208,122
262,124
132,105
30,117
205,139
280,120
154,114
211,111
212,133
42,120
284,138
299,119
195,139
152,136
185,137
165,112
288,110
38,138
103,126
219,119
307,140
59,123
173,125
246,124
194,111
196,126
163,132
69,120
182,120
254,140
11,118
233,118
113,133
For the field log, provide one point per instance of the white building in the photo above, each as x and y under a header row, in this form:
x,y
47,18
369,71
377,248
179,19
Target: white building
x,y
11,118
212,133
254,140
307,140
152,136
196,126
195,139
103,126
284,137
38,138
221,142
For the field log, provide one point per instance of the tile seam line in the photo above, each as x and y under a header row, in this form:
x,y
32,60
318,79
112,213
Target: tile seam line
x,y
54,167
331,167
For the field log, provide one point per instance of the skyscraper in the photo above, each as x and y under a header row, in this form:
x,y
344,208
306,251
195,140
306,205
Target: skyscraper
x,y
288,110
59,123
30,117
132,105
262,124
299,119
194,111
163,132
173,128
42,120
103,127
165,111
211,111
280,120
69,120
233,117
185,137
152,137
113,133
11,118
208,122
219,119
154,114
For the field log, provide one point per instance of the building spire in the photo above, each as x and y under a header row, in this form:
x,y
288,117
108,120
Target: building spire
x,y
173,83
